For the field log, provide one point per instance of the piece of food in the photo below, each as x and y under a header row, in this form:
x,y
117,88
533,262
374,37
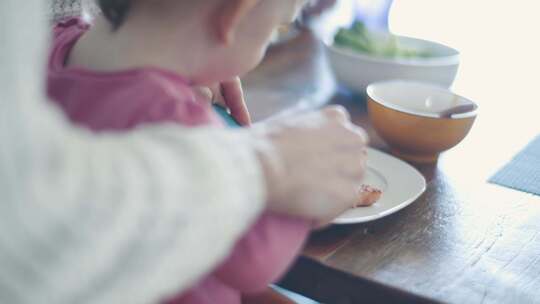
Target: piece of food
x,y
359,39
368,196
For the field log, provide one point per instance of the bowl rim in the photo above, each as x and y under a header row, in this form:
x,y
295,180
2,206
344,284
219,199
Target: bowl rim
x,y
433,61
392,106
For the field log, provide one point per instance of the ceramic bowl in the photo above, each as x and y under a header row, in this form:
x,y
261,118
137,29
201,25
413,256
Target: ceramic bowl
x,y
356,70
407,115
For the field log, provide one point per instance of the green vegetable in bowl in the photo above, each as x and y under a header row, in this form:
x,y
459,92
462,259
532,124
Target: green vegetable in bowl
x,y
359,39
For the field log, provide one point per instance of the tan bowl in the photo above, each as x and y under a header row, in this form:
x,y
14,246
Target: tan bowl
x,y
406,115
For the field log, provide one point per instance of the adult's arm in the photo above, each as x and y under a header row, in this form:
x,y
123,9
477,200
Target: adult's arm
x,y
111,218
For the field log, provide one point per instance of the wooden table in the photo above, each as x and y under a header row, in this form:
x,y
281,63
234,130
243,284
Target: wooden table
x,y
463,241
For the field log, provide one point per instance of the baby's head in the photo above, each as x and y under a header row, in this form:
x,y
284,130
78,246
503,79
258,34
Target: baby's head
x,y
227,37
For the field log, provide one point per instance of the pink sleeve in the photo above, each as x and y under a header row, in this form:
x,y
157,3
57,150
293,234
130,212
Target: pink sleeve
x,y
264,253
184,112
210,290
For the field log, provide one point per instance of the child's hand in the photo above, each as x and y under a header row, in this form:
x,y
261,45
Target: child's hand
x,y
230,95
233,97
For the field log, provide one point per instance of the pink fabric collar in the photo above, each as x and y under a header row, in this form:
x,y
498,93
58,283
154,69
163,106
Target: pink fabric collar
x,y
72,30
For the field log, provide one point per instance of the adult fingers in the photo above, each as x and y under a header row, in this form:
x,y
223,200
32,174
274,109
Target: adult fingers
x,y
337,113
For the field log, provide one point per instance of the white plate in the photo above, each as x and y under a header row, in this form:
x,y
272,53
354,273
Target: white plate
x,y
400,183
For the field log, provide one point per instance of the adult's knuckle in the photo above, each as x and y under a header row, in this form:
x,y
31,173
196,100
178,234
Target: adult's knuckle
x,y
337,112
359,134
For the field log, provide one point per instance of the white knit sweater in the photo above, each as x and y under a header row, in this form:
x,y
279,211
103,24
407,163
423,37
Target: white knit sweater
x,y
110,218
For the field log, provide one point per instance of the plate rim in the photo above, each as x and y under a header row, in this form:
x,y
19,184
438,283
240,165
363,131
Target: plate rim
x,y
363,219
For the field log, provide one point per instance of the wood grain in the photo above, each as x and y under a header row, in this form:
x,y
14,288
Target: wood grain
x,y
462,241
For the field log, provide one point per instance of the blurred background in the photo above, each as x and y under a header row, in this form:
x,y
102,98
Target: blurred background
x,y
499,50
498,40
499,46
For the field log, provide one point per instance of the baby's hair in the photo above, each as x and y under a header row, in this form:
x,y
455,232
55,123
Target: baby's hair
x,y
115,11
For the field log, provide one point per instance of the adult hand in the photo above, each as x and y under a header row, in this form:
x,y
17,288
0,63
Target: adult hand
x,y
314,164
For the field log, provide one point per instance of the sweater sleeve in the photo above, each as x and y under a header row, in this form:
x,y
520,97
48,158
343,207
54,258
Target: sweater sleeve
x,y
111,218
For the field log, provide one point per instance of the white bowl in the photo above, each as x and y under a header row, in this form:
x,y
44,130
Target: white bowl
x,y
356,70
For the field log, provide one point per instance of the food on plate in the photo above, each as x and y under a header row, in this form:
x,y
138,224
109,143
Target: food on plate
x,y
359,39
367,196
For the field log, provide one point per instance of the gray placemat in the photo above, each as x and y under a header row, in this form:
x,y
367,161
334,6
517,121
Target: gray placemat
x,y
523,172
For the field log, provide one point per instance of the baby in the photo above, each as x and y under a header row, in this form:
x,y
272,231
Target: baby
x,y
140,62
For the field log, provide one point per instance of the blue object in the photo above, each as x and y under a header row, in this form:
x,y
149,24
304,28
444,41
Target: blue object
x,y
226,117
523,172
293,296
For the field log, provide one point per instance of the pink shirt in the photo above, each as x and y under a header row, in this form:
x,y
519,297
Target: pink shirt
x,y
123,100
